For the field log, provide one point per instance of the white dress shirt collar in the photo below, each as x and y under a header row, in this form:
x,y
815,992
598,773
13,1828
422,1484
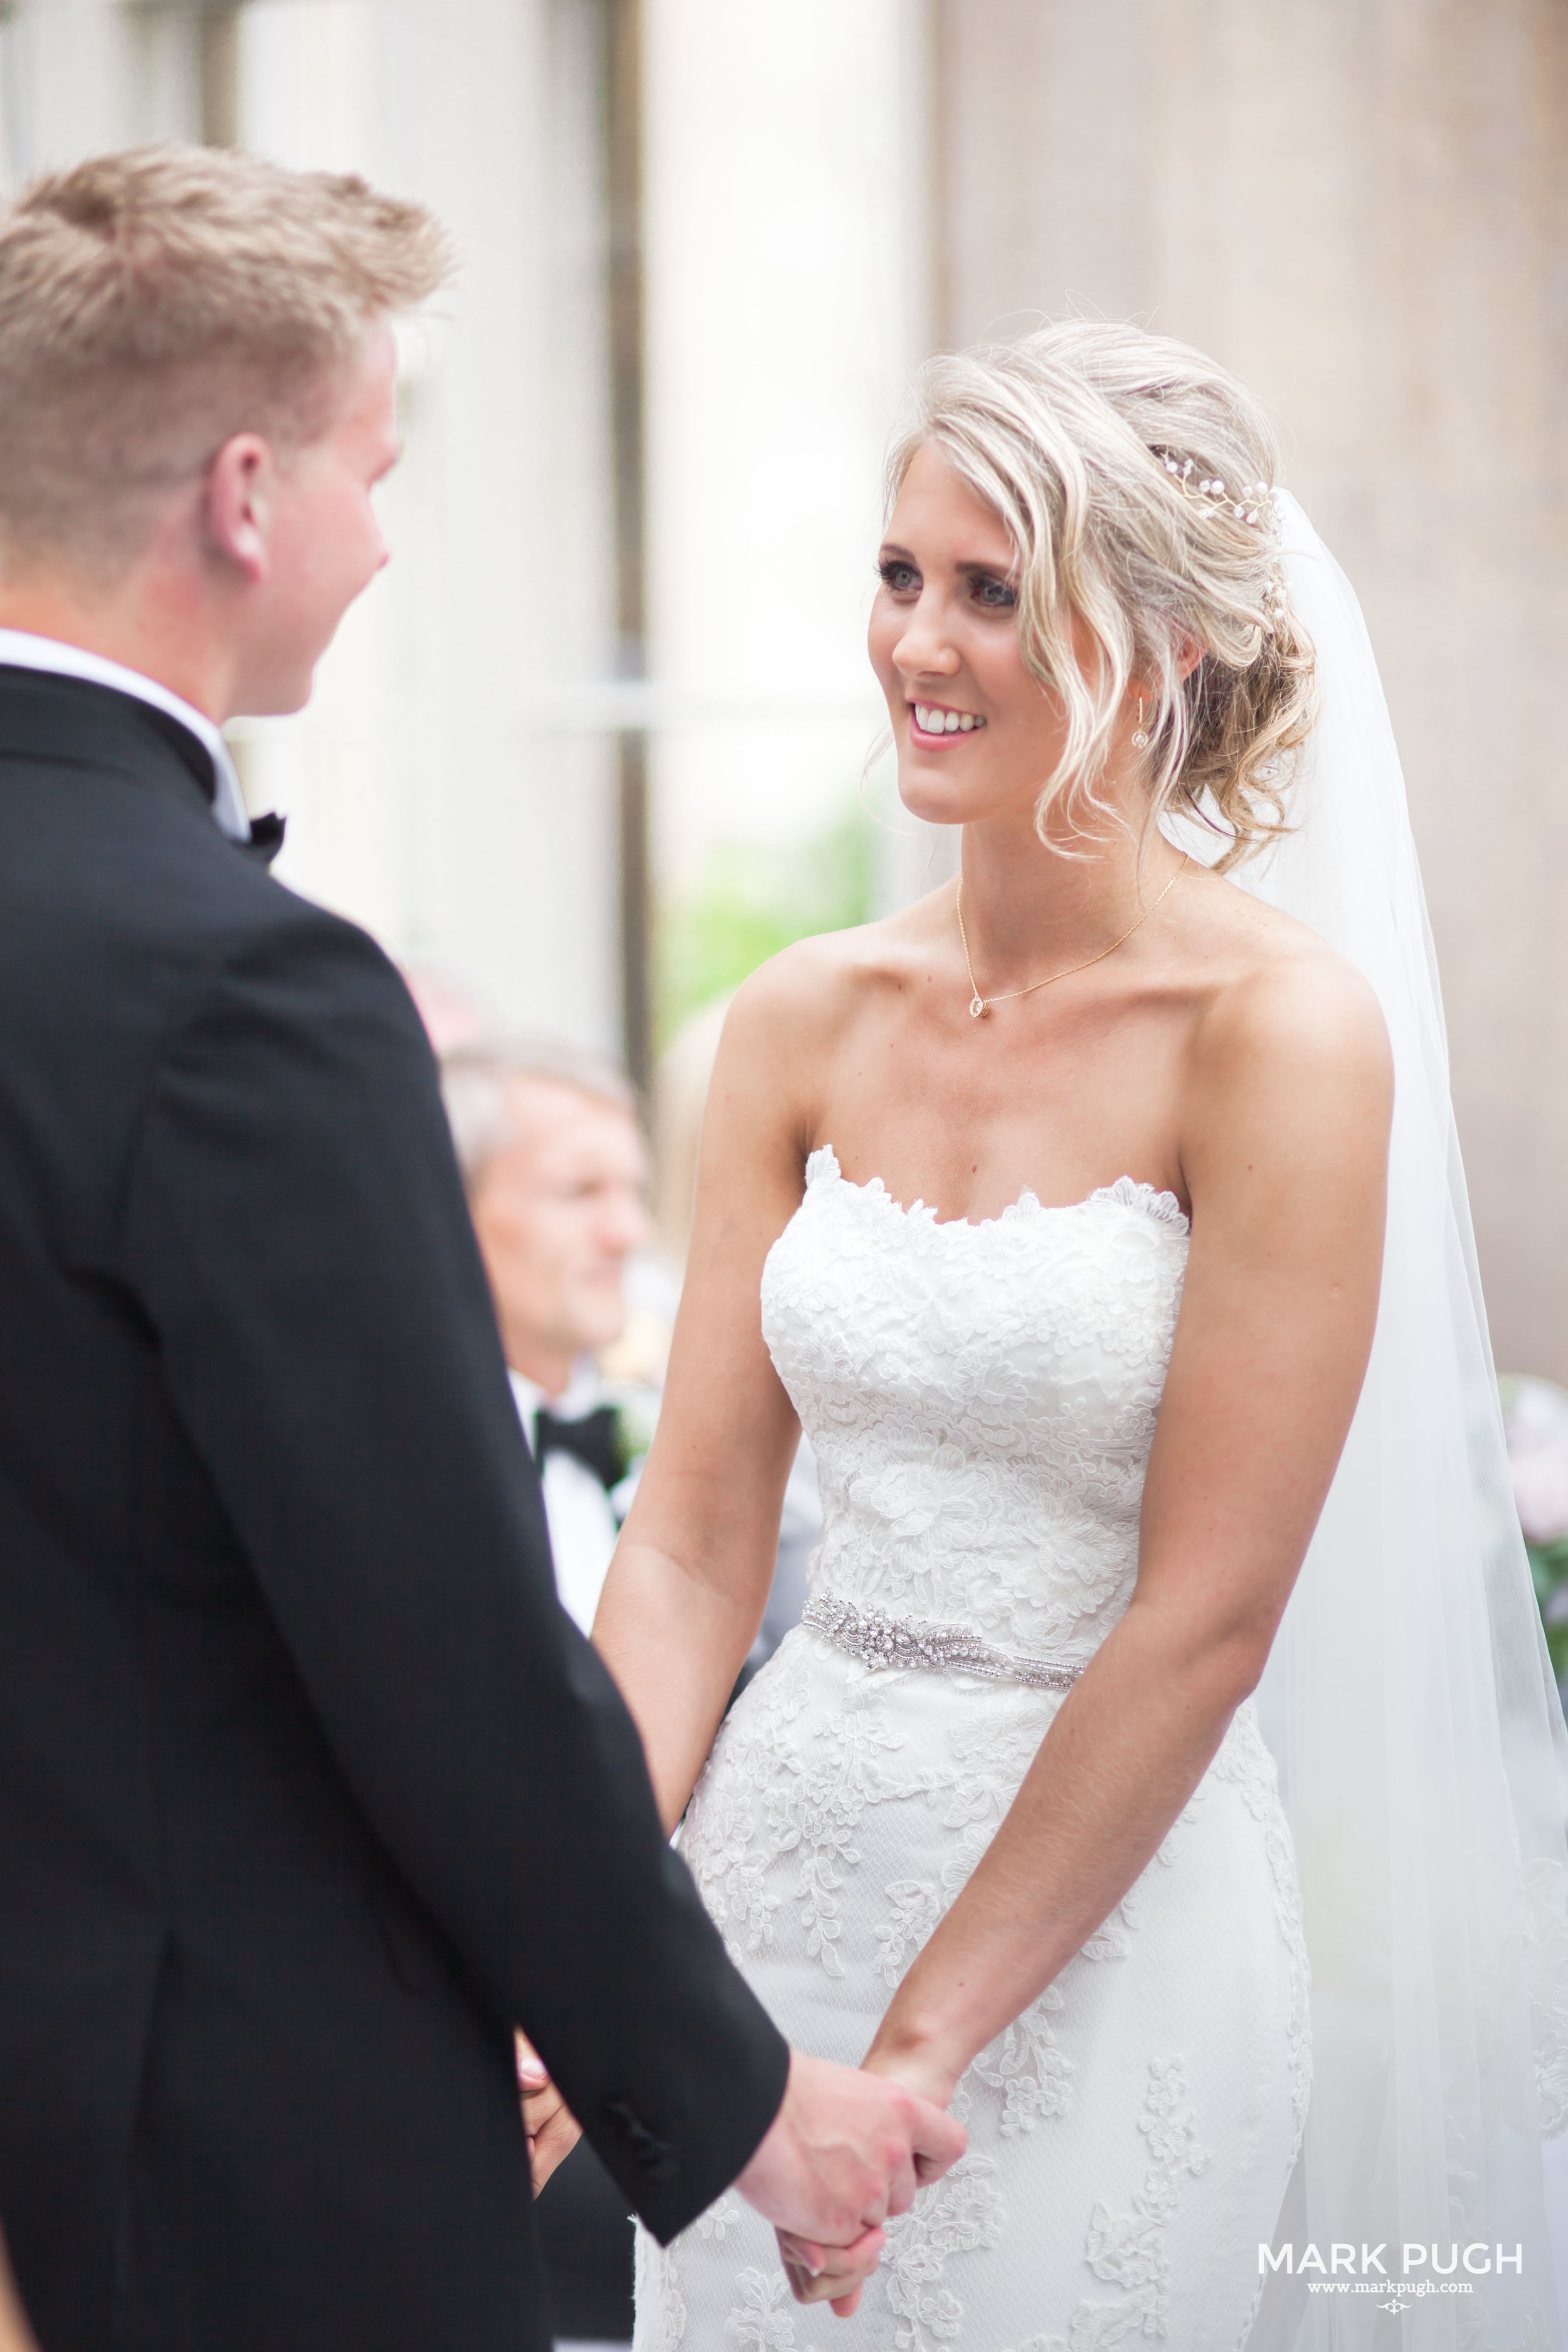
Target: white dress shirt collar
x,y
21,650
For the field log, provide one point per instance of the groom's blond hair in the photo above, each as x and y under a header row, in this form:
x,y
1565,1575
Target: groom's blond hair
x,y
155,303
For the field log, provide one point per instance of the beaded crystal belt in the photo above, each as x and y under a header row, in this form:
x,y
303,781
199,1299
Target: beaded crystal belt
x,y
877,1640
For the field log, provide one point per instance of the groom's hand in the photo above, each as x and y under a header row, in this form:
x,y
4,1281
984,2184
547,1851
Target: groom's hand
x,y
846,2150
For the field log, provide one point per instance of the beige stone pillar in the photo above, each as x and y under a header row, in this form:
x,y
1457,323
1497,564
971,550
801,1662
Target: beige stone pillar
x,y
1361,205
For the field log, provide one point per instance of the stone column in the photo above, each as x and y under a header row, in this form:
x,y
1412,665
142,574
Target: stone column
x,y
1360,205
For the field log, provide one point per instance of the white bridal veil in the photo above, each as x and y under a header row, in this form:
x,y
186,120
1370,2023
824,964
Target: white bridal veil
x,y
1408,1700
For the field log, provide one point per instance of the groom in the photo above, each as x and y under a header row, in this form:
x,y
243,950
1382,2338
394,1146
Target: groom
x,y
309,1792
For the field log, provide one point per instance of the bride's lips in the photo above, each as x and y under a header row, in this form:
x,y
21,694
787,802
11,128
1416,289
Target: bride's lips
x,y
937,724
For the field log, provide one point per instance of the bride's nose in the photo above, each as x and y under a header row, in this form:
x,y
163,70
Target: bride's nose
x,y
923,651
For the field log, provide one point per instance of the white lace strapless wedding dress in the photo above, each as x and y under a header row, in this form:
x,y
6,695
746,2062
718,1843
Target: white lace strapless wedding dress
x,y
981,1400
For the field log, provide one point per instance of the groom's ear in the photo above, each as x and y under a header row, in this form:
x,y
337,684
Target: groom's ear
x,y
238,508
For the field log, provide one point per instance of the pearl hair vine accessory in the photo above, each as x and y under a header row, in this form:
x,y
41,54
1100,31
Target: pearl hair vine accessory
x,y
1252,505
1276,602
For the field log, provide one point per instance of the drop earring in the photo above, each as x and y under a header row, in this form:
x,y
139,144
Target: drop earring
x,y
1140,733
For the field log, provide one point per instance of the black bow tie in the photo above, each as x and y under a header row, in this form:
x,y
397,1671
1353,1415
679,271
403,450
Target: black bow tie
x,y
266,839
594,1440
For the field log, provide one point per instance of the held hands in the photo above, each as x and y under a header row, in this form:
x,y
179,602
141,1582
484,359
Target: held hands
x,y
846,2151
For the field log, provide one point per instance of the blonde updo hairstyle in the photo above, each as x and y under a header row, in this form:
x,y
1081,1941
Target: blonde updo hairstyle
x,y
1133,478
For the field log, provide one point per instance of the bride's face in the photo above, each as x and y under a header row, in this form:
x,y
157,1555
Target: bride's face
x,y
976,734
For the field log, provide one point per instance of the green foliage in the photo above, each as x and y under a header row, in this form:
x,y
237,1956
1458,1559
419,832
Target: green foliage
x,y
752,901
1549,1569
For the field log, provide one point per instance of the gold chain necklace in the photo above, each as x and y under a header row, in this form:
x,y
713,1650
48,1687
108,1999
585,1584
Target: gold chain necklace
x,y
979,1006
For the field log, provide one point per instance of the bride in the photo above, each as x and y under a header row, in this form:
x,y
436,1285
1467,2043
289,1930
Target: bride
x,y
1063,1196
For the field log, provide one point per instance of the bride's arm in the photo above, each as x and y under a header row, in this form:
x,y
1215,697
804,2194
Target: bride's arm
x,y
689,1580
1285,1157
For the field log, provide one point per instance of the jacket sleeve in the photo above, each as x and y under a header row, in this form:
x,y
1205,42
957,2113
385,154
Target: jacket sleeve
x,y
297,1234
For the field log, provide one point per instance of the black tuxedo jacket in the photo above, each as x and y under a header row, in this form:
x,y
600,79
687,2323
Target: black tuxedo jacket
x,y
309,1789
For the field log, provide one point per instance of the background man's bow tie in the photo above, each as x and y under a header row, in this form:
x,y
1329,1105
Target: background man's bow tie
x,y
594,1440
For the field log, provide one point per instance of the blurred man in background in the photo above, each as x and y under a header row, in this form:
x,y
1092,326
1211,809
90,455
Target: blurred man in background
x,y
556,1171
557,1176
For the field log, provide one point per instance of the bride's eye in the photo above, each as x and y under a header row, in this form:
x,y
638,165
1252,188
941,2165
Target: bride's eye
x,y
994,595
901,578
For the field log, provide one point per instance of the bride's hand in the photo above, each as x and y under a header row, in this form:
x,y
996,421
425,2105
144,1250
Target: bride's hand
x,y
835,2274
915,2068
553,2129
830,2275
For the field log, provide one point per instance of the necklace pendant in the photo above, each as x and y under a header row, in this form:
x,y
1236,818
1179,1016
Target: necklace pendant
x,y
978,1008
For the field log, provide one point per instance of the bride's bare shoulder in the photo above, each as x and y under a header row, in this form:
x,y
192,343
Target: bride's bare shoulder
x,y
1275,992
803,999
787,1026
